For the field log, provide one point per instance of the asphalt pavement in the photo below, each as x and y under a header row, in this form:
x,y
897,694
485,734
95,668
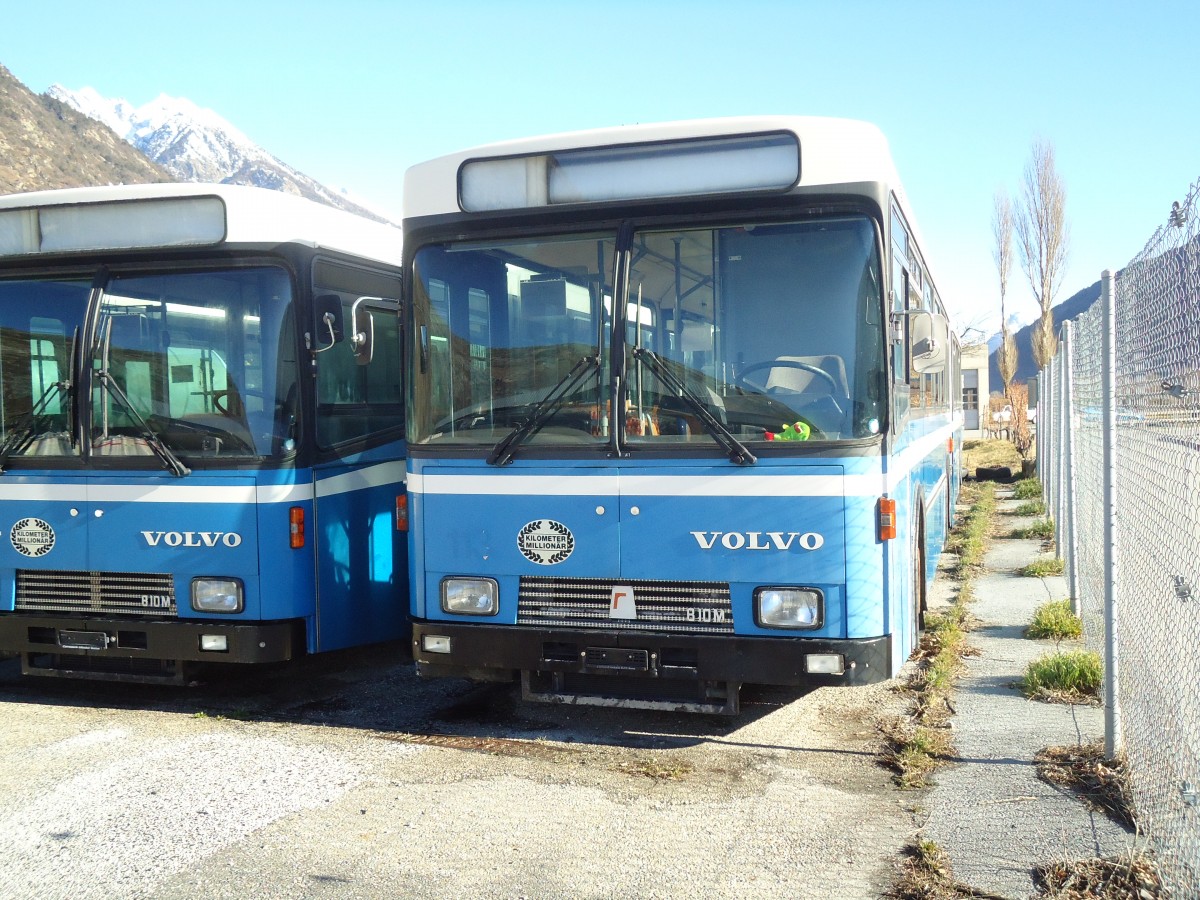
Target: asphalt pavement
x,y
990,811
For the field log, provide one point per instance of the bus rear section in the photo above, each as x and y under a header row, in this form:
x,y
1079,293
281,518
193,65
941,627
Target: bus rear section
x,y
202,455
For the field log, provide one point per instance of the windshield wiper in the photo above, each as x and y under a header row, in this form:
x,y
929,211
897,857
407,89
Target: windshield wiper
x,y
722,435
161,450
502,453
33,424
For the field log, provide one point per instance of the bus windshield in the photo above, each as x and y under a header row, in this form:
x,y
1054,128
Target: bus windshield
x,y
763,331
202,363
205,360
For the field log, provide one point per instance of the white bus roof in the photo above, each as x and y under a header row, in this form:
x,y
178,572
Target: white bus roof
x,y
184,215
832,151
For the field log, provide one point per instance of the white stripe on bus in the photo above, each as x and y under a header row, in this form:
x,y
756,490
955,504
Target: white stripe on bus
x,y
488,484
377,475
733,484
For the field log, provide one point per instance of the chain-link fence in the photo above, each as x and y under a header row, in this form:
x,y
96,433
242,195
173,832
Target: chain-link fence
x,y
1119,456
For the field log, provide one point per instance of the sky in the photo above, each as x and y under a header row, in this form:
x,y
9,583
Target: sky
x,y
353,92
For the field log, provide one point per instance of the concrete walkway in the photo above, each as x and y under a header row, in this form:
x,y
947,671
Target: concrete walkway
x,y
990,812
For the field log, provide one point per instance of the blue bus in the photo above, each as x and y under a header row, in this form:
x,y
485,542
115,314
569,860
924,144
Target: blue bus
x,y
201,430
682,412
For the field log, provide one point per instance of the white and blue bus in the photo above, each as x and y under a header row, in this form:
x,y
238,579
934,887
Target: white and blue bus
x,y
201,430
682,412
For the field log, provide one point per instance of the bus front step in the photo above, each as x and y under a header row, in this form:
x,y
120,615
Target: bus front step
x,y
631,692
99,668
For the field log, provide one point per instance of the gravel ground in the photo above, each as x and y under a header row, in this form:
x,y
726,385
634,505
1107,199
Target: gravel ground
x,y
344,776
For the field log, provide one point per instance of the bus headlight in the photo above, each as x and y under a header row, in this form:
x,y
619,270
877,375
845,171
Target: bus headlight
x,y
470,596
217,595
789,607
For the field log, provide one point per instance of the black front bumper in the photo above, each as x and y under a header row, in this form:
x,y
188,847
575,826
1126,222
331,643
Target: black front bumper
x,y
500,651
149,639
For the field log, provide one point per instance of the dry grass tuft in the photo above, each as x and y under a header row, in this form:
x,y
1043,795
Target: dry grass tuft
x,y
1082,768
925,874
1127,877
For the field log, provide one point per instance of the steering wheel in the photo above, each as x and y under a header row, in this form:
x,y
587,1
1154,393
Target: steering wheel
x,y
835,392
230,404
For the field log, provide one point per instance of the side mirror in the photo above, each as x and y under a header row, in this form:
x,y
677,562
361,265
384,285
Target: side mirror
x,y
362,341
929,336
328,309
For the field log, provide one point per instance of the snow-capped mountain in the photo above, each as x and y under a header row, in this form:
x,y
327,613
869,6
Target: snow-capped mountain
x,y
1016,321
196,144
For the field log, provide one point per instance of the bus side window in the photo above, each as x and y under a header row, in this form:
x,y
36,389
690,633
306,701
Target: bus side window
x,y
355,401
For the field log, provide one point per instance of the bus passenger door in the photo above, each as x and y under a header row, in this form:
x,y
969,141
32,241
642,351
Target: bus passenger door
x,y
362,562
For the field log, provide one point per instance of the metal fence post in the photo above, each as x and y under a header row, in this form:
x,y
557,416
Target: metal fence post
x,y
1060,448
1056,512
1069,554
1046,441
1108,418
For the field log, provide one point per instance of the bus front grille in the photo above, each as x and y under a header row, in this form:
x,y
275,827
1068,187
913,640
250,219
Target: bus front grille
x,y
674,607
95,593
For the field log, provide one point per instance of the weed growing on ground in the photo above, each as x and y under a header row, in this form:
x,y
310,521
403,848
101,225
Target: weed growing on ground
x,y
917,745
925,874
1040,568
914,750
1042,529
1027,489
1055,621
968,541
1031,508
1073,676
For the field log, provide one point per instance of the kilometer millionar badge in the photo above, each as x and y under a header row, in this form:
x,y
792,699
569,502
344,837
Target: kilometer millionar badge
x,y
545,542
32,537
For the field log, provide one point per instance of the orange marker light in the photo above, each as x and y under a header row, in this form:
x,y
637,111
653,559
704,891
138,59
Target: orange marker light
x,y
296,523
402,512
887,519
950,445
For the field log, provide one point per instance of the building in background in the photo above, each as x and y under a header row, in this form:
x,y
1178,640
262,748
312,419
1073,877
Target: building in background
x,y
976,384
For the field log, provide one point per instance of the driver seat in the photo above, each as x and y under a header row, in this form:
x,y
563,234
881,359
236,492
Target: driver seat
x,y
798,381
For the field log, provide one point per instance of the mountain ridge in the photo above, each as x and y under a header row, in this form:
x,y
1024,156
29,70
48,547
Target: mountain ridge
x,y
46,144
1066,311
198,145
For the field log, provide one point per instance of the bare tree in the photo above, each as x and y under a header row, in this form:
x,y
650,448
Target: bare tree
x,y
1018,430
1002,230
1042,238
